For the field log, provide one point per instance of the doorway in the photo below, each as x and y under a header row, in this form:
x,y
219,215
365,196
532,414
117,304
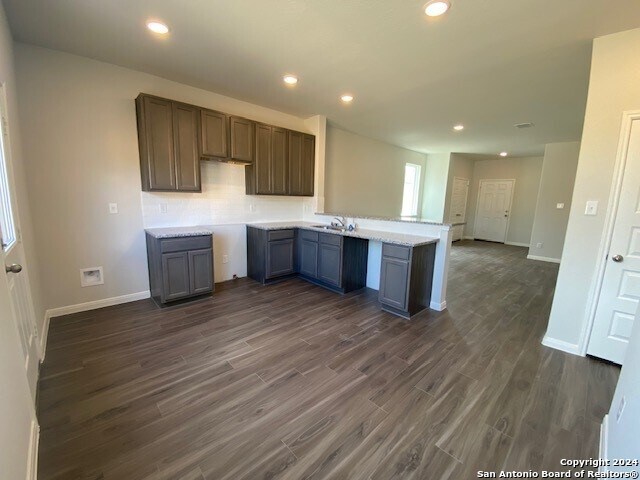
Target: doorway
x,y
619,293
459,194
493,210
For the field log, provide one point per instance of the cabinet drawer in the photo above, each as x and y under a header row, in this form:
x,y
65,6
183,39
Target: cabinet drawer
x,y
280,234
396,251
182,244
309,235
330,239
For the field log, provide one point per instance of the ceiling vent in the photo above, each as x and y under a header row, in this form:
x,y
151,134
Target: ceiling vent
x,y
524,125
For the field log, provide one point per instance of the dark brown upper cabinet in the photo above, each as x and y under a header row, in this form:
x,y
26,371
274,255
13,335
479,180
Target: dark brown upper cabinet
x,y
301,163
214,134
268,174
168,140
241,139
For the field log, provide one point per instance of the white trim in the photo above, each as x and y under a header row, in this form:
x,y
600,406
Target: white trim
x,y
513,189
518,244
543,259
44,335
561,345
83,307
604,442
439,306
34,440
607,233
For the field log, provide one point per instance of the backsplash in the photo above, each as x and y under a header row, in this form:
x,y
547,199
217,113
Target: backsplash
x,y
222,202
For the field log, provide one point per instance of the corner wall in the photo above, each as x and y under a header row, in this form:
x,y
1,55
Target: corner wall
x,y
556,186
81,116
365,176
434,186
614,87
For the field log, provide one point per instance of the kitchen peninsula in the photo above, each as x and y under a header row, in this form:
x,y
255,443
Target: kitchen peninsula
x,y
404,266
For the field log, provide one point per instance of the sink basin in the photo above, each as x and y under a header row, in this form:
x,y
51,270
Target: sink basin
x,y
330,227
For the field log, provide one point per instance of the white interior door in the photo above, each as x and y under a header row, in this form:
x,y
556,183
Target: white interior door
x,y
459,194
494,208
620,290
19,427
13,256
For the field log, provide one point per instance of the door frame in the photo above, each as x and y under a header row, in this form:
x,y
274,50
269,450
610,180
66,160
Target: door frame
x,y
628,117
513,188
466,198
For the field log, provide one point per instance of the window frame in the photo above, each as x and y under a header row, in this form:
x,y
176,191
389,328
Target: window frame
x,y
8,211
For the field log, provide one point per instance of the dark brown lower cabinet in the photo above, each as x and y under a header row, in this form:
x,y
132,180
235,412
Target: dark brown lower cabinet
x,y
180,267
270,254
406,275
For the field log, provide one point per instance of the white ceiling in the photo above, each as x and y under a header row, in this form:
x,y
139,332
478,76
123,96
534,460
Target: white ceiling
x,y
487,63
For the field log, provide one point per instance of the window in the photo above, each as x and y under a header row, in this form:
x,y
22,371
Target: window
x,y
411,190
7,225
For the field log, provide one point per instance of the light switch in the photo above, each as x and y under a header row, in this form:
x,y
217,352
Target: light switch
x,y
559,206
591,208
113,208
163,208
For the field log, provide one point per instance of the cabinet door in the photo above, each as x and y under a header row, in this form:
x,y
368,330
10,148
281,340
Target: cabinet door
x,y
309,258
394,282
279,163
308,164
262,164
330,264
295,163
156,144
214,134
279,258
200,271
175,275
186,135
241,133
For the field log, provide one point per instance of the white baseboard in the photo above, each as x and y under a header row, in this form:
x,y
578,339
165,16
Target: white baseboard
x,y
543,259
561,345
34,441
84,307
439,306
604,441
518,244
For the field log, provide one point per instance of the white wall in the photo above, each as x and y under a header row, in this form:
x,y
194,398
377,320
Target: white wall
x,y
16,411
526,171
622,435
614,87
556,186
365,176
434,186
82,154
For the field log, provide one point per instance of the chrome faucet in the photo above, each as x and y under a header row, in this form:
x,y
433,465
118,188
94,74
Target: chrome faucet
x,y
341,221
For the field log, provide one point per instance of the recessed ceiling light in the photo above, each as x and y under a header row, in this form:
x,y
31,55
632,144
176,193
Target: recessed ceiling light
x,y
503,154
436,8
347,98
458,128
290,79
157,27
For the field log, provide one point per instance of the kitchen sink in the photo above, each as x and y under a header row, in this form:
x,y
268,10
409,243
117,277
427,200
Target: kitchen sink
x,y
330,227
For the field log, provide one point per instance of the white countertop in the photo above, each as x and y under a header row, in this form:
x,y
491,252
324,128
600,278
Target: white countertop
x,y
174,232
377,235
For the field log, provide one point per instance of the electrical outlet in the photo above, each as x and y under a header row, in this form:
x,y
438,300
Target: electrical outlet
x,y
539,245
559,206
623,403
113,208
225,258
252,208
163,208
591,208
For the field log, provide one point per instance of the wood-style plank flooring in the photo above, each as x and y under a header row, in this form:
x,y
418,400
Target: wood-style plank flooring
x,y
291,381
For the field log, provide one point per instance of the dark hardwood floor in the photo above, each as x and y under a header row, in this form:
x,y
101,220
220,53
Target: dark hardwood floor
x,y
291,381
